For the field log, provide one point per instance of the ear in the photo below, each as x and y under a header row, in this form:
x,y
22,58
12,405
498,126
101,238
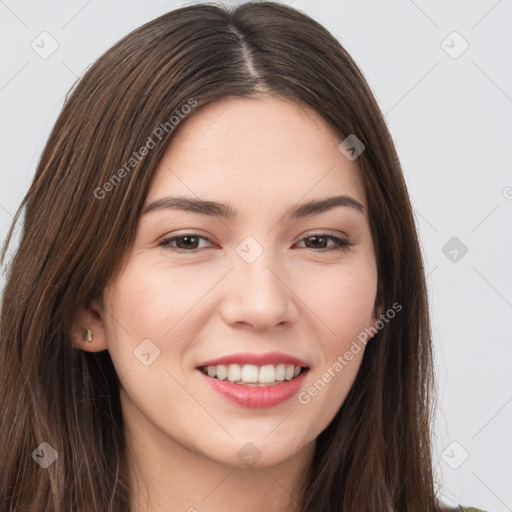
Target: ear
x,y
89,317
378,308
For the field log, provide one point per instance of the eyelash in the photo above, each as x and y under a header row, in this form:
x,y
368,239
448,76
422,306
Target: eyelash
x,y
340,245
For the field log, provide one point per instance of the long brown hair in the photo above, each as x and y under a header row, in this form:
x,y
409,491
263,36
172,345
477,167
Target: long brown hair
x,y
376,453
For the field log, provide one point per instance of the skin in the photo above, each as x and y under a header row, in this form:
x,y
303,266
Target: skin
x,y
260,156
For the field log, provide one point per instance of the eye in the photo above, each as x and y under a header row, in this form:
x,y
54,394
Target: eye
x,y
185,243
189,243
322,238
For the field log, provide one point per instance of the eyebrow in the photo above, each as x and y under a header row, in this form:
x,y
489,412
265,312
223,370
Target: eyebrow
x,y
215,209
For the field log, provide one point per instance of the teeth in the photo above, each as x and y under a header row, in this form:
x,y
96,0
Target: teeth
x,y
234,372
220,371
249,373
280,371
267,373
252,374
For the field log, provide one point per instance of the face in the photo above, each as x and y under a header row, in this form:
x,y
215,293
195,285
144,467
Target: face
x,y
261,288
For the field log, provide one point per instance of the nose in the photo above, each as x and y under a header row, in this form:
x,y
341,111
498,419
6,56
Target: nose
x,y
258,295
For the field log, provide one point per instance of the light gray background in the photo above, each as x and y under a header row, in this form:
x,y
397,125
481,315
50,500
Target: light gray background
x,y
451,121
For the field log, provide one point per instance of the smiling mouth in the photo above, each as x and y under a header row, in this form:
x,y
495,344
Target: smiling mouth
x,y
253,375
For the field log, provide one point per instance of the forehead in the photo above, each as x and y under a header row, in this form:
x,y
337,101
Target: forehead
x,y
262,149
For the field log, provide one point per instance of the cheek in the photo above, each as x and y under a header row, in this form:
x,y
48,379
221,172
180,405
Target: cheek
x,y
137,307
343,299
146,321
151,302
353,306
344,303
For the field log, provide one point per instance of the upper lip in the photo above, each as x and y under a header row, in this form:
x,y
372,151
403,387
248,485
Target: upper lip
x,y
256,359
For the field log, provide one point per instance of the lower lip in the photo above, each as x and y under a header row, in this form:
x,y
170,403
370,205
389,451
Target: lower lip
x,y
256,397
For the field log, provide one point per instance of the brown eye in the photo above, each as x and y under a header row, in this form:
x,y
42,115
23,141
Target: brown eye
x,y
184,243
319,242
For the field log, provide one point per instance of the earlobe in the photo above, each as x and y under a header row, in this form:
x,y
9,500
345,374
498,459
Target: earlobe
x,y
88,330
87,335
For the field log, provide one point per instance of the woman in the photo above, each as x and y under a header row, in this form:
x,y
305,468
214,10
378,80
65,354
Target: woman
x,y
218,299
